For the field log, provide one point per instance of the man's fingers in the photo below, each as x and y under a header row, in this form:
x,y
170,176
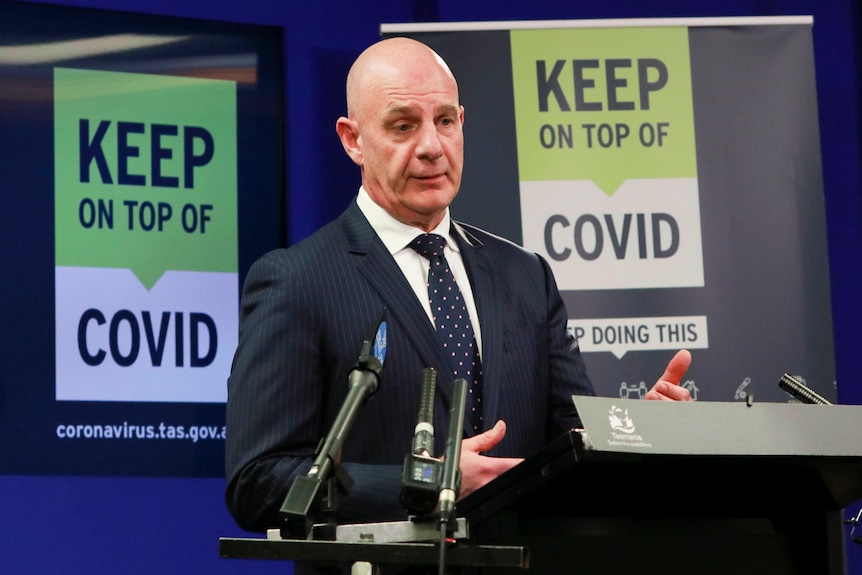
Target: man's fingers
x,y
668,392
667,387
677,367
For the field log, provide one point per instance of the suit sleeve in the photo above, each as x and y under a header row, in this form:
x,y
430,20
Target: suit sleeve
x,y
271,424
276,392
568,373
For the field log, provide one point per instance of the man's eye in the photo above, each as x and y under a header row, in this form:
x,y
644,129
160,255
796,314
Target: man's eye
x,y
402,127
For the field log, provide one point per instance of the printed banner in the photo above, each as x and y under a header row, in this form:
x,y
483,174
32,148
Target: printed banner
x,y
669,173
606,155
145,236
143,157
621,335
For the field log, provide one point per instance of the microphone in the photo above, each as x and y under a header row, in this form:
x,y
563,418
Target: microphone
x,y
450,484
420,475
801,391
423,438
363,381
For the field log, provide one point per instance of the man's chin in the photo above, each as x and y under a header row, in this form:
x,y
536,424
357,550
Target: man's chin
x,y
433,202
439,187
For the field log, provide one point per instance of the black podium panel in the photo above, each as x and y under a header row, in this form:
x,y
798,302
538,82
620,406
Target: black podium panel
x,y
650,487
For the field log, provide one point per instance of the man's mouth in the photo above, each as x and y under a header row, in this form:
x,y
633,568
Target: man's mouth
x,y
429,176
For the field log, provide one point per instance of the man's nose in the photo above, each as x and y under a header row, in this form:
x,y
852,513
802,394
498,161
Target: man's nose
x,y
429,145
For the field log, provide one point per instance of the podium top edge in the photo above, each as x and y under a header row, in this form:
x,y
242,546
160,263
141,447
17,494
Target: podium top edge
x,y
700,428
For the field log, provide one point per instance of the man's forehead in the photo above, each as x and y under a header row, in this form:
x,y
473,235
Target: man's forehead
x,y
384,85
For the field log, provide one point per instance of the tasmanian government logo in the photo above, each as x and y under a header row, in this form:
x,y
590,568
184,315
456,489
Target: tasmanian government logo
x,y
623,429
620,420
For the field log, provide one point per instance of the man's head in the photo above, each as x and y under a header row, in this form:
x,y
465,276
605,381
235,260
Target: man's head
x,y
403,129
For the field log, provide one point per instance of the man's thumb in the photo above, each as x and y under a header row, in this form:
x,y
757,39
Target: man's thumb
x,y
488,439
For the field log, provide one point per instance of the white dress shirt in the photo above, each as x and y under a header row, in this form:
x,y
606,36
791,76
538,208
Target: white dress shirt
x,y
396,236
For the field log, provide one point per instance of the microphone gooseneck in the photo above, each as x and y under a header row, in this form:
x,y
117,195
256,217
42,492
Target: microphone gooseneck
x,y
801,391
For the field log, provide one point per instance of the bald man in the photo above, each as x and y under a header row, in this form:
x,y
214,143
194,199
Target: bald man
x,y
306,310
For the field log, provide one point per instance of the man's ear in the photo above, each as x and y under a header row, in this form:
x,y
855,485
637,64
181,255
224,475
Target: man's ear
x,y
348,133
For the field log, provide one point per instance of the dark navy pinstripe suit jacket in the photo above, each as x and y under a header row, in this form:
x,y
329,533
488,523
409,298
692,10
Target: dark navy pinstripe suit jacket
x,y
305,312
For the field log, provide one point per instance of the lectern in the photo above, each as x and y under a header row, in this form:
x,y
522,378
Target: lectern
x,y
693,488
659,488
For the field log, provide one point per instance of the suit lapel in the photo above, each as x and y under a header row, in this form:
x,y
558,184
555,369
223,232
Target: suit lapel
x,y
488,306
376,264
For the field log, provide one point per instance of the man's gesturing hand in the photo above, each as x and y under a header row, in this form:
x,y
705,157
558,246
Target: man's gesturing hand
x,y
478,469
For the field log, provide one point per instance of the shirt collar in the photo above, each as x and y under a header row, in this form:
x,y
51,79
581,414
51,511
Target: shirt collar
x,y
394,234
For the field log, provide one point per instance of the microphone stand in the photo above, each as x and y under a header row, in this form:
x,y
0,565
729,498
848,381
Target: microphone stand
x,y
421,528
296,510
427,482
416,536
297,507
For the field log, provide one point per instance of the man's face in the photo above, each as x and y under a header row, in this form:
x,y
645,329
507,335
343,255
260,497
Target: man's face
x,y
411,145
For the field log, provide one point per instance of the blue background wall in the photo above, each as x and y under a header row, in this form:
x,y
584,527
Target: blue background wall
x,y
100,525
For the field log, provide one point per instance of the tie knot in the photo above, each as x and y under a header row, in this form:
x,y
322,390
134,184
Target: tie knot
x,y
429,246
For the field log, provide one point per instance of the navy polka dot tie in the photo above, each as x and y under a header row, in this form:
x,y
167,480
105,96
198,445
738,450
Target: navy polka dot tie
x,y
454,329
